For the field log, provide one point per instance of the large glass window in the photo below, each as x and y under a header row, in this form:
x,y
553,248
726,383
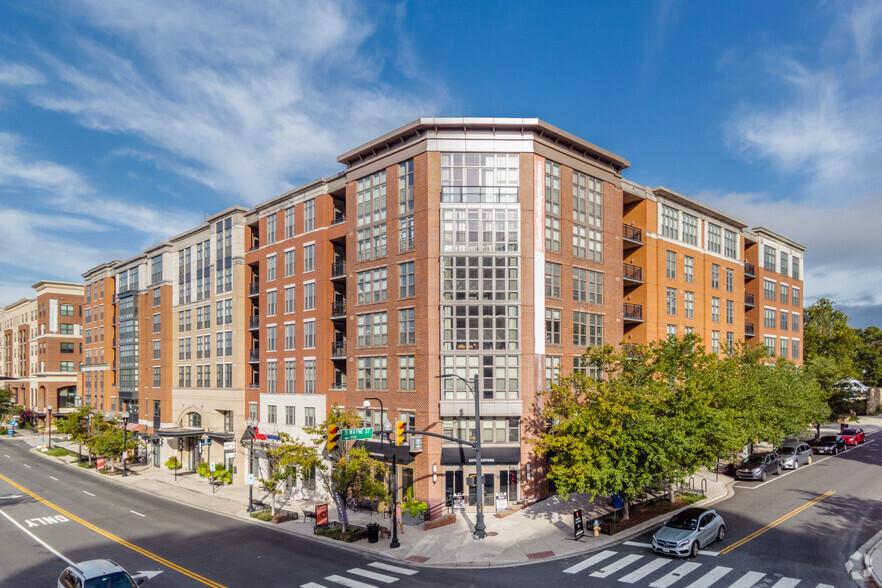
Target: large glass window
x,y
552,280
480,327
480,278
552,188
483,229
689,268
372,373
371,286
690,229
372,329
406,372
479,177
552,326
405,187
406,326
730,243
499,376
769,258
671,265
714,238
670,222
406,280
371,199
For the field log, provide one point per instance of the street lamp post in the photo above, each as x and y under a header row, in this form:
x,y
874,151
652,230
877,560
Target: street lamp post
x,y
394,543
125,418
49,422
252,423
480,530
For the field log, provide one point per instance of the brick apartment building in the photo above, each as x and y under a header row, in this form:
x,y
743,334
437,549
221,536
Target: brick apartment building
x,y
500,248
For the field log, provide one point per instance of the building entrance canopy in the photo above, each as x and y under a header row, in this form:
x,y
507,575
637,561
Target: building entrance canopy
x,y
180,432
466,455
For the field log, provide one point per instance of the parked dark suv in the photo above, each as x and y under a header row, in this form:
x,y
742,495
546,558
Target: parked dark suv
x,y
758,466
831,444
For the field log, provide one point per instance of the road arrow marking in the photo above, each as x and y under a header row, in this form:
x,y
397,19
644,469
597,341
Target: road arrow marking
x,y
149,575
12,497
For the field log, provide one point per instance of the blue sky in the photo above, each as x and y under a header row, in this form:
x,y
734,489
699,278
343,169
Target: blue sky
x,y
122,124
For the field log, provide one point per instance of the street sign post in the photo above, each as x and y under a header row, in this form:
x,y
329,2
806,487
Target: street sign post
x,y
578,529
353,434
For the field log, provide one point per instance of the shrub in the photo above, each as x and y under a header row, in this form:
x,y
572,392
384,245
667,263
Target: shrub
x,y
173,463
690,497
263,515
59,452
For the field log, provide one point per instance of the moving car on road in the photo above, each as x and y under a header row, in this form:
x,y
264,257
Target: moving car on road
x,y
758,466
97,573
831,444
794,454
852,436
688,531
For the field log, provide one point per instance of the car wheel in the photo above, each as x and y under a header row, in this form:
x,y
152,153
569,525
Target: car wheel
x,y
764,476
835,450
721,533
778,470
694,551
795,464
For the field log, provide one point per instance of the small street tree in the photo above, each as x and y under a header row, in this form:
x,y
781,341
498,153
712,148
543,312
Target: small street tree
x,y
6,403
283,460
76,425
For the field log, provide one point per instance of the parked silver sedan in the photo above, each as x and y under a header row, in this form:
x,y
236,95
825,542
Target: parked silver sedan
x,y
688,531
793,455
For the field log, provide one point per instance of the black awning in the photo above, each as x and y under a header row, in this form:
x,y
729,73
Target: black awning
x,y
180,432
248,435
464,455
384,453
220,436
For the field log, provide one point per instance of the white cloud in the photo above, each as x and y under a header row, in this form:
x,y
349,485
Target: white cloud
x,y
17,74
246,100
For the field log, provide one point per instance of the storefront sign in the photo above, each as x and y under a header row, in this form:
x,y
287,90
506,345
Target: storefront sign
x,y
458,503
230,455
99,463
321,515
501,502
578,528
229,446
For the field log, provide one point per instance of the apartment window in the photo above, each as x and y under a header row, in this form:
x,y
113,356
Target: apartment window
x,y
405,187
406,372
688,330
309,416
290,336
289,222
794,272
371,286
690,229
157,350
552,370
580,241
730,279
157,377
372,373
157,300
309,296
670,222
580,329
784,265
405,233
552,188
270,268
671,266
406,279
552,280
290,299
552,234
689,269
794,344
290,264
794,292
289,415
271,303
157,323
794,320
595,203
580,197
66,329
769,318
309,210
271,229
784,322
309,258
271,413
552,326
66,310
252,411
672,301
715,309
271,338
67,366
730,243
715,276
406,326
769,258
67,348
689,305
730,342
290,378
784,346
715,341
785,294
309,335
309,376
671,331
714,237
769,290
371,329
730,312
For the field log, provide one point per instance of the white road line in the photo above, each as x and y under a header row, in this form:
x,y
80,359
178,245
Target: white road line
x,y
644,571
54,478
748,580
637,544
373,575
709,578
89,493
26,465
7,457
311,585
347,582
391,568
675,575
589,562
823,586
137,513
37,539
616,566
785,583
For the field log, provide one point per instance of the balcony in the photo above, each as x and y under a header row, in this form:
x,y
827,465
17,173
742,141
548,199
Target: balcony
x,y
339,217
748,300
338,310
338,386
254,386
632,236
632,313
748,330
749,271
632,274
254,288
253,323
338,269
338,350
254,356
480,194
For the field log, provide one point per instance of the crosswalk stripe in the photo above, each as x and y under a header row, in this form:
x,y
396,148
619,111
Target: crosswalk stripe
x,y
373,575
823,586
637,544
589,562
311,585
748,580
391,568
644,571
709,578
347,582
675,575
616,566
785,583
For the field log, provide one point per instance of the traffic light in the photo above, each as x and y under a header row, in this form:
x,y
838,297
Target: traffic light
x,y
333,437
399,433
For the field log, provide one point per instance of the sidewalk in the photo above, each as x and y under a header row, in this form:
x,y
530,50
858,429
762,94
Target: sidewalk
x,y
538,532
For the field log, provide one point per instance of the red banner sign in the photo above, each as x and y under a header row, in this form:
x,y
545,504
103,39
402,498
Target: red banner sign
x,y
321,514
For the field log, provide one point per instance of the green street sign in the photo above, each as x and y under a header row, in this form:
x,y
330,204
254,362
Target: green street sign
x,y
353,434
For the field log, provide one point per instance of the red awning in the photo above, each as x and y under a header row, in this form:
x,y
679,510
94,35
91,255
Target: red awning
x,y
132,427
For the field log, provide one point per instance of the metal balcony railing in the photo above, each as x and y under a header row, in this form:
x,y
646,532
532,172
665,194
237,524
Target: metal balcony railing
x,y
253,288
748,299
632,312
632,272
338,218
749,270
338,268
338,308
254,355
633,234
480,194
748,330
338,349
254,322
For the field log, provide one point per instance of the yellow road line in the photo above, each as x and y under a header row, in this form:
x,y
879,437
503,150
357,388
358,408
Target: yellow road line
x,y
777,522
113,537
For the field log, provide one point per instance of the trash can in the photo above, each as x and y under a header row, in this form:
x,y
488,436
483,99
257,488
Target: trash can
x,y
373,530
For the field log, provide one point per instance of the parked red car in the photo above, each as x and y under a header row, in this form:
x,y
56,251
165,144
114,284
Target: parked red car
x,y
852,436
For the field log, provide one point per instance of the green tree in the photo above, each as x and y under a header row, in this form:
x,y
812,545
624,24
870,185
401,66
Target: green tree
x,y
6,402
76,425
284,459
869,356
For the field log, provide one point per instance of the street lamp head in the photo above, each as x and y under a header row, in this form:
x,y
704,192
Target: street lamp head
x,y
49,408
125,415
367,403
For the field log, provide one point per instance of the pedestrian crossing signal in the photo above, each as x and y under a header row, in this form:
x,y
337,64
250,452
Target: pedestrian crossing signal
x,y
399,433
333,437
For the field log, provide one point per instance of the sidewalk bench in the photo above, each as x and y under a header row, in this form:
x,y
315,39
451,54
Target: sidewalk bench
x,y
309,514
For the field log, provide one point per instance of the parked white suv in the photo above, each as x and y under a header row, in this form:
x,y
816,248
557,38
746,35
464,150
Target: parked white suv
x,y
97,573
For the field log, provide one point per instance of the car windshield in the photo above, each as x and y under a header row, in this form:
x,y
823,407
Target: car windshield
x,y
753,460
827,440
684,520
116,580
848,432
787,450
